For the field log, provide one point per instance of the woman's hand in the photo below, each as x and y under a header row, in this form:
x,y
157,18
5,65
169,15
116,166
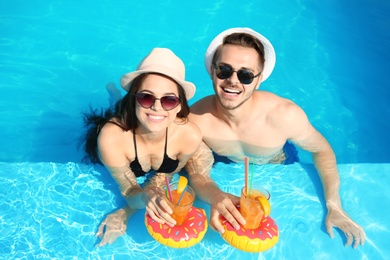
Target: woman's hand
x,y
156,205
338,218
114,225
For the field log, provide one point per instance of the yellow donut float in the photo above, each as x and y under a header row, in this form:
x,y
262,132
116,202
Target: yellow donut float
x,y
251,240
188,234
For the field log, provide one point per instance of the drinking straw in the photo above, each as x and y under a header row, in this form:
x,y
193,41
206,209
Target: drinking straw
x,y
181,196
251,178
246,161
168,188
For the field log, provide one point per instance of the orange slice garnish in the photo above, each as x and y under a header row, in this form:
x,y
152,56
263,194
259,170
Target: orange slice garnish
x,y
264,204
182,184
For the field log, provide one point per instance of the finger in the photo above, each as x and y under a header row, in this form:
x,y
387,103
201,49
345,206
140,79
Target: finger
x,y
166,217
232,208
359,238
357,242
329,229
349,239
233,222
112,239
164,211
164,205
100,230
161,217
230,218
103,242
215,223
363,237
154,217
237,215
99,234
169,220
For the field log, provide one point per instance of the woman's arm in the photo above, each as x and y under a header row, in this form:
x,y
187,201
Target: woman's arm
x,y
112,151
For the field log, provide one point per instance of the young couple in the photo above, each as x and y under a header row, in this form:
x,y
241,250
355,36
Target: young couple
x,y
152,130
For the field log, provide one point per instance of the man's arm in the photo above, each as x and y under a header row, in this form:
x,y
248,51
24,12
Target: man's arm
x,y
293,121
325,163
199,168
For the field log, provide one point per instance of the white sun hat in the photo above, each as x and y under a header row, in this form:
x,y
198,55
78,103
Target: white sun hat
x,y
163,61
269,52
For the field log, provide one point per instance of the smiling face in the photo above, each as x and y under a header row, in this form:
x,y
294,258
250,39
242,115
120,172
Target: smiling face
x,y
155,118
231,93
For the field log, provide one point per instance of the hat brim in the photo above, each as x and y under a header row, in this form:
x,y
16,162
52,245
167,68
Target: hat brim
x,y
189,88
269,52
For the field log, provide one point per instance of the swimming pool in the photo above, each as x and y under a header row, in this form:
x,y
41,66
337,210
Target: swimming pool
x,y
56,58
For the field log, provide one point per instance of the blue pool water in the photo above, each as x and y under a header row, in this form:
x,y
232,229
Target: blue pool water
x,y
52,210
56,57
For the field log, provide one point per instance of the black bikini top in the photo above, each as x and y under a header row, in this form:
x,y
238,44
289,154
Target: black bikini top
x,y
168,165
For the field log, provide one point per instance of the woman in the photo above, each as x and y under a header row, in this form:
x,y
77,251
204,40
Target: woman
x,y
147,132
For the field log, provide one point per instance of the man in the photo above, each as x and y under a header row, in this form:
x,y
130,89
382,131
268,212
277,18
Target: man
x,y
240,121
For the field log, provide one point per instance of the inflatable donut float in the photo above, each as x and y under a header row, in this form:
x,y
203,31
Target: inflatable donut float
x,y
188,234
251,240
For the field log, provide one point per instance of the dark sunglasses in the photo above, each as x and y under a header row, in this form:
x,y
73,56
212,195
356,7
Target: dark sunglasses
x,y
244,76
167,102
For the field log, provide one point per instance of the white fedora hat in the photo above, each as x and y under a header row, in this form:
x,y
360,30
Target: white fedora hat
x,y
163,61
269,52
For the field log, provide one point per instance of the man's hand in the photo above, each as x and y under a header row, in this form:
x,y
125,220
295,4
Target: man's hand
x,y
225,204
338,218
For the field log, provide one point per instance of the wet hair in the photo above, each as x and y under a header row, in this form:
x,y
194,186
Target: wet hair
x,y
243,40
125,114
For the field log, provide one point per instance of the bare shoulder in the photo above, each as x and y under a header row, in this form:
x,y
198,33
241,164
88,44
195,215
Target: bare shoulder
x,y
203,111
189,134
278,108
110,134
203,105
110,145
285,115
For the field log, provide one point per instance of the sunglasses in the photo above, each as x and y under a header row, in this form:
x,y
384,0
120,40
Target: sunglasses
x,y
244,76
167,102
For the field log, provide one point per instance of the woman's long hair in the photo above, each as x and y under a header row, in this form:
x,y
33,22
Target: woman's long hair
x,y
125,115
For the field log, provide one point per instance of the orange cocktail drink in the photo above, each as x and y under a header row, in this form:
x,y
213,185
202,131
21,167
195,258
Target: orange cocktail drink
x,y
180,209
252,206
